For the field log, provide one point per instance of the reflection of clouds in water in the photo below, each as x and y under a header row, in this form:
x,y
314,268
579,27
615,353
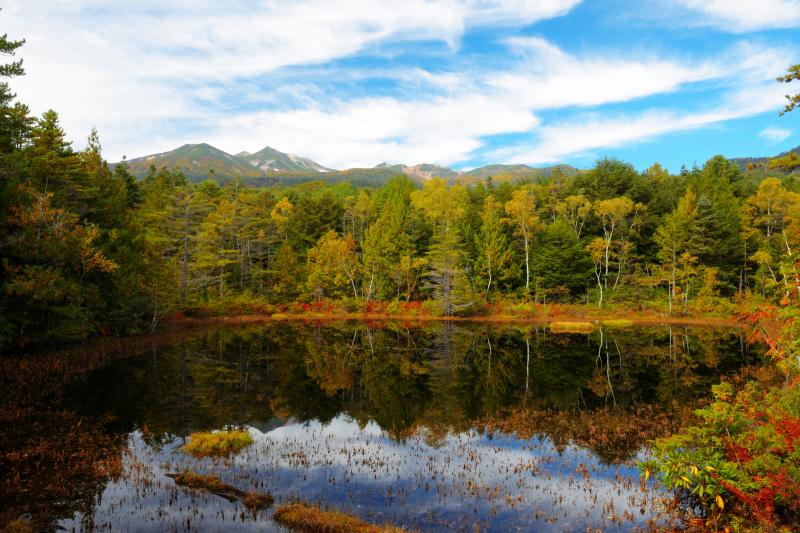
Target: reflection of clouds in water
x,y
145,499
501,483
522,476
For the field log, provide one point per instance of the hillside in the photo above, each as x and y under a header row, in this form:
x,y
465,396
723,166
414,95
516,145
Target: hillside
x,y
197,162
754,163
511,172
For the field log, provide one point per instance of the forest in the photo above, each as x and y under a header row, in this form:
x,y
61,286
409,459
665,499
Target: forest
x,y
90,250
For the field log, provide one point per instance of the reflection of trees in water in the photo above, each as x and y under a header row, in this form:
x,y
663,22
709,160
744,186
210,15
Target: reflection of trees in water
x,y
441,376
438,374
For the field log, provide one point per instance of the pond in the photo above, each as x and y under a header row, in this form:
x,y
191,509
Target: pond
x,y
432,427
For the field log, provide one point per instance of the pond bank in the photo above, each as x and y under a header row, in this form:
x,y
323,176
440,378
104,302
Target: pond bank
x,y
547,314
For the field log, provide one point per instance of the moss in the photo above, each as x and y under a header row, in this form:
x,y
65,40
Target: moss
x,y
572,327
220,443
311,519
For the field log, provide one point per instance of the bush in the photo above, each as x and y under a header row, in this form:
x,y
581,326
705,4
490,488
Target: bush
x,y
742,463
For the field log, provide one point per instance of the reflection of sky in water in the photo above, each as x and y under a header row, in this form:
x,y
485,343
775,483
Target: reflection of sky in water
x,y
499,483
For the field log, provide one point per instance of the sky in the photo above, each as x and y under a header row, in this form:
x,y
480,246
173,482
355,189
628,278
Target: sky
x,y
461,83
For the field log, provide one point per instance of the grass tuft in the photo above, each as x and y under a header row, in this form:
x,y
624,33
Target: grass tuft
x,y
311,519
220,443
617,322
572,327
255,501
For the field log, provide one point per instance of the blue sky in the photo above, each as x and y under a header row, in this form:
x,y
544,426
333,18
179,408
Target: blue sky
x,y
455,82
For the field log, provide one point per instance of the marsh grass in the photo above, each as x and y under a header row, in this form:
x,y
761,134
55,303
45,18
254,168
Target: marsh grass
x,y
255,501
572,327
217,444
311,519
617,322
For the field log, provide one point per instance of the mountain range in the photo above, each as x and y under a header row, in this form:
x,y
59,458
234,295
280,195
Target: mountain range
x,y
269,166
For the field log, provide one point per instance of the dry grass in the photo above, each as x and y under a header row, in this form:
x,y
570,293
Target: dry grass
x,y
255,501
572,327
219,443
311,519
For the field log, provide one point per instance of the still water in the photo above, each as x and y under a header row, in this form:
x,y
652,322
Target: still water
x,y
447,426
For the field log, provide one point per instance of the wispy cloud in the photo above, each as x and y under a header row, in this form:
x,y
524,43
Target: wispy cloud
x,y
145,72
746,15
398,81
775,135
586,133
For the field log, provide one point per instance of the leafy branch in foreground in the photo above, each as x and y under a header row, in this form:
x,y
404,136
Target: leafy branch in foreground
x,y
741,463
794,100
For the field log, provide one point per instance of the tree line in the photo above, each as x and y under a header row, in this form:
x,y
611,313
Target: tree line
x,y
87,248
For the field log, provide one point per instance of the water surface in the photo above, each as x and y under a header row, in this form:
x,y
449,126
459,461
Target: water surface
x,y
449,426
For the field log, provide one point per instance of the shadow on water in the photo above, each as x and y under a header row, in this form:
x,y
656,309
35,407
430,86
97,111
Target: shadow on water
x,y
443,426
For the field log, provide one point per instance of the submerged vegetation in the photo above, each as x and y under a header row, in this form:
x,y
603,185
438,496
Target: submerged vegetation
x,y
311,519
217,443
208,482
253,500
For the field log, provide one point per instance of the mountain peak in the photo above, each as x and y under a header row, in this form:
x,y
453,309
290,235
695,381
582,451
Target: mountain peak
x,y
269,159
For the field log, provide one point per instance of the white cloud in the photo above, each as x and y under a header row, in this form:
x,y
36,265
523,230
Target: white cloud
x,y
587,133
448,128
551,78
153,75
775,135
367,131
747,15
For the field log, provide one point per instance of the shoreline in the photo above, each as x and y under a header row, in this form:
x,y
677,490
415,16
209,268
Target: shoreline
x,y
636,319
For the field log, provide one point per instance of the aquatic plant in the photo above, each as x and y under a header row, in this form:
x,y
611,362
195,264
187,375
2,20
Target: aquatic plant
x,y
572,327
255,501
311,519
217,443
617,322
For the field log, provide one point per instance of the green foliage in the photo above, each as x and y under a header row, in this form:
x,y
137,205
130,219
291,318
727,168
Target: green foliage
x,y
559,259
793,100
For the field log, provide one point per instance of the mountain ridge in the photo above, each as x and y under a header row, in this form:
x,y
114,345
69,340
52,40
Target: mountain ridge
x,y
270,166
